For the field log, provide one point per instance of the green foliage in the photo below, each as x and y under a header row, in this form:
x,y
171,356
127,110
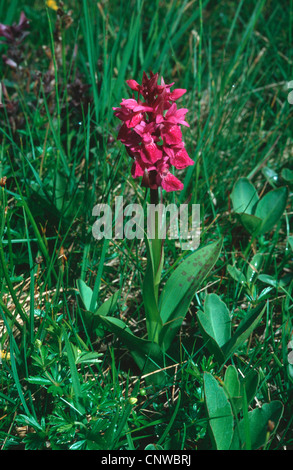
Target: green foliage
x,y
225,402
259,422
219,413
165,315
215,323
258,216
181,287
87,361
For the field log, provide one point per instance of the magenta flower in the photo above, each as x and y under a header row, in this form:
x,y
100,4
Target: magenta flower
x,y
152,134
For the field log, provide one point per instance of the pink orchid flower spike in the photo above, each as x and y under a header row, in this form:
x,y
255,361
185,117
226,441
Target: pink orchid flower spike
x,y
151,132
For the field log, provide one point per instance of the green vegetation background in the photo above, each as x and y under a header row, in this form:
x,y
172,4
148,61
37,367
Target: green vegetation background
x,y
60,156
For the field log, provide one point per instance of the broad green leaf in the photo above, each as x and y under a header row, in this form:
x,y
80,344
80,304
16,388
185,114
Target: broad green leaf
x,y
254,267
189,274
267,279
108,306
85,293
148,355
215,323
181,287
96,289
120,328
97,444
287,174
232,388
219,412
270,174
270,208
244,196
258,421
153,447
212,346
236,388
244,330
250,384
231,382
237,275
250,222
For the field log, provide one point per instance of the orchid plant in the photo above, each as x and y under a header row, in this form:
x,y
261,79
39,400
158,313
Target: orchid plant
x,y
151,133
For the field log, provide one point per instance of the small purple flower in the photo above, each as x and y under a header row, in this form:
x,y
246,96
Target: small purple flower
x,y
15,33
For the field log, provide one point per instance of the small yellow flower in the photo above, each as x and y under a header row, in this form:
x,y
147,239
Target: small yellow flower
x,y
4,355
52,4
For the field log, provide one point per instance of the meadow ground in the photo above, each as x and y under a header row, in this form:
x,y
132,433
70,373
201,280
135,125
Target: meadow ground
x,y
81,373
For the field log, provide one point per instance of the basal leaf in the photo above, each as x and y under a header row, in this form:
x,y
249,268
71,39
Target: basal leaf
x,y
232,388
120,328
141,347
85,293
287,174
250,222
108,306
215,324
270,174
105,309
237,275
231,381
258,421
244,330
180,288
267,279
153,447
219,412
246,385
212,346
270,208
244,196
250,384
254,267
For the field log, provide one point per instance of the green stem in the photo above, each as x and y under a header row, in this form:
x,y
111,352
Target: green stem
x,y
156,244
153,275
